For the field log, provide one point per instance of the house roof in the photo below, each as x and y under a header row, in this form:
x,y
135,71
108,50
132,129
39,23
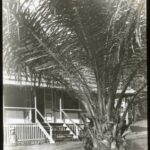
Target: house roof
x,y
12,80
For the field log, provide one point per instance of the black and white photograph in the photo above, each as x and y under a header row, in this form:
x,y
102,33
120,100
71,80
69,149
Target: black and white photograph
x,y
74,75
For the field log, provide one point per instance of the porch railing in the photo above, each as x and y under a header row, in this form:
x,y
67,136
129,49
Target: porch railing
x,y
48,135
24,133
75,128
24,129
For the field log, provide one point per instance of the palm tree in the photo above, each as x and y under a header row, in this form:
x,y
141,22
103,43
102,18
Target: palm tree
x,y
81,44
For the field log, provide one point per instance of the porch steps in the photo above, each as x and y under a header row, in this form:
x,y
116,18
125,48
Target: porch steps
x,y
60,133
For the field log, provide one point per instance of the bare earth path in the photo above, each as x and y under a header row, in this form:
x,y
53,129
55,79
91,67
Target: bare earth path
x,y
138,139
59,146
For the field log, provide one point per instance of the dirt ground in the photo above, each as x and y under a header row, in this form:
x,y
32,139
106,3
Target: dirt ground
x,y
142,123
138,143
59,146
138,139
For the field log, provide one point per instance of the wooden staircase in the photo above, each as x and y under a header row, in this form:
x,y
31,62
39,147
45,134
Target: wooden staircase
x,y
54,132
59,132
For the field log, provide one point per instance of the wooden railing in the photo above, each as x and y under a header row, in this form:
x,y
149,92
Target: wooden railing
x,y
24,134
75,128
72,127
48,135
22,128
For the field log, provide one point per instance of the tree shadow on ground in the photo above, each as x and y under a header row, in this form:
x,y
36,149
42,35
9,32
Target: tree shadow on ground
x,y
138,129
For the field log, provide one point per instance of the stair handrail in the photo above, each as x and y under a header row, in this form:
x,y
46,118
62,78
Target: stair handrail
x,y
71,119
76,126
51,140
50,127
43,118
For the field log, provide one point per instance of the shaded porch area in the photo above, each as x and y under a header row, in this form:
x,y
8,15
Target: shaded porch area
x,y
49,115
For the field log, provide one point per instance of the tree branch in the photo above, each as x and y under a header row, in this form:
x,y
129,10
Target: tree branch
x,y
131,101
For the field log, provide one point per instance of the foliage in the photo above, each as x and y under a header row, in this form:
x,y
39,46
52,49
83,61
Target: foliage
x,y
81,44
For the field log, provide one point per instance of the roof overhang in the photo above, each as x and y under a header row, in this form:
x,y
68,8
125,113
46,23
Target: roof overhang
x,y
11,80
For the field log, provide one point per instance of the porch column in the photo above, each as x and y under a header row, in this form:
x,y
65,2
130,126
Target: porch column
x,y
60,108
35,107
3,110
127,118
127,115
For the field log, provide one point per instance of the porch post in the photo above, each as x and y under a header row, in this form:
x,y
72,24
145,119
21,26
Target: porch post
x,y
35,106
3,110
60,108
127,115
127,118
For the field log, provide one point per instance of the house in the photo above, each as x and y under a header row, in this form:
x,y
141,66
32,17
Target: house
x,y
50,114
42,113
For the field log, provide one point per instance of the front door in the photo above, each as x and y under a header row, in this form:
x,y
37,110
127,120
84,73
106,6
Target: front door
x,y
48,101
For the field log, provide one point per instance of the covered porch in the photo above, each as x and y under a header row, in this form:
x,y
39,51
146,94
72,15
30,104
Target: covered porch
x,y
19,103
42,117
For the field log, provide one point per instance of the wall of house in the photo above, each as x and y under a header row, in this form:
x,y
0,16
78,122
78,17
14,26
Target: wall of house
x,y
74,116
40,102
71,105
48,103
17,96
17,116
52,105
